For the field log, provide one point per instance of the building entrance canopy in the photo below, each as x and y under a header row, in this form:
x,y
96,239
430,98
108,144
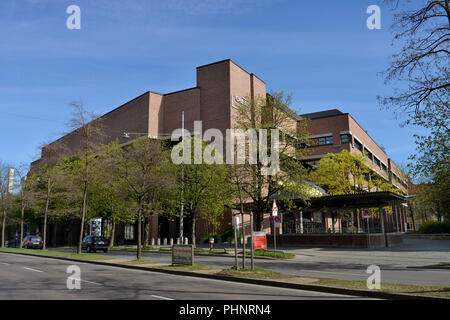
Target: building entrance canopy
x,y
357,200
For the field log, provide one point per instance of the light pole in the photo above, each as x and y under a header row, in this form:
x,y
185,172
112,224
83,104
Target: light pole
x,y
182,183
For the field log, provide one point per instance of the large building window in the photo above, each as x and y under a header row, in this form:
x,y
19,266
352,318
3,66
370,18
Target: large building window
x,y
368,154
129,231
325,141
346,138
377,162
358,145
383,167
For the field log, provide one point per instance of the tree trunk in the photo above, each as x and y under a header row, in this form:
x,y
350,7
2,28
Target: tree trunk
x,y
83,217
139,239
259,221
194,219
147,232
44,236
21,225
113,231
3,228
243,237
44,233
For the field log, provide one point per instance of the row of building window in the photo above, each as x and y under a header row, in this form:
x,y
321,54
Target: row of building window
x,y
347,138
323,141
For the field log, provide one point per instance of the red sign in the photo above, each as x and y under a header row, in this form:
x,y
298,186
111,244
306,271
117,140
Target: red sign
x,y
366,214
260,240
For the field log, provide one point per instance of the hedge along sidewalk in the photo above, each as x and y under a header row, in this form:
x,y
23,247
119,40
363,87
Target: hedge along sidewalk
x,y
281,284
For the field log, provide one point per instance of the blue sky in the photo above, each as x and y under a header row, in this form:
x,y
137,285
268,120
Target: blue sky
x,y
320,51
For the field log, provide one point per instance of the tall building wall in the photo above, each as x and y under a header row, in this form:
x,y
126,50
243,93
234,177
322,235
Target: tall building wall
x,y
214,83
175,103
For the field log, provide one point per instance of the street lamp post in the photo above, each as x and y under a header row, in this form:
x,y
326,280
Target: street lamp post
x,y
182,183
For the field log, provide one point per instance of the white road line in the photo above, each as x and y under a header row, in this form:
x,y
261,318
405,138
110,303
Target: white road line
x,y
345,274
4,263
99,284
33,269
159,297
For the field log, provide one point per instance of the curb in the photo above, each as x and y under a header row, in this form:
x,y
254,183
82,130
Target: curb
x,y
431,267
287,285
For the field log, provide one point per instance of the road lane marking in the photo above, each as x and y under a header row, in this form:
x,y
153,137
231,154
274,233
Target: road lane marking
x,y
4,263
33,269
99,284
159,297
345,274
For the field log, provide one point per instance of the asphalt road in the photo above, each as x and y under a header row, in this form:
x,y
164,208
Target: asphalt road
x,y
403,264
23,277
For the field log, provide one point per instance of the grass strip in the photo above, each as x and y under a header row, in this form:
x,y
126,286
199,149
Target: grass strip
x,y
52,253
258,273
272,254
194,267
436,291
141,262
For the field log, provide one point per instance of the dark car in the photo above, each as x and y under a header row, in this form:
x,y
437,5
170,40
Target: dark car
x,y
94,243
12,243
32,242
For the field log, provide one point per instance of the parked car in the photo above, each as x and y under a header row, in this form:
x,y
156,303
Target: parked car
x,y
94,243
32,242
12,243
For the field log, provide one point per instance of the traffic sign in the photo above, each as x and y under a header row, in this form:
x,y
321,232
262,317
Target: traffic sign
x,y
366,214
277,224
277,219
274,209
271,219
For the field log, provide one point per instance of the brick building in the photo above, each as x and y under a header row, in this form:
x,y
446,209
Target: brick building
x,y
335,131
220,87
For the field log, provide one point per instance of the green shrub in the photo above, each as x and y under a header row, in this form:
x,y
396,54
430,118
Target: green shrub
x,y
227,235
435,227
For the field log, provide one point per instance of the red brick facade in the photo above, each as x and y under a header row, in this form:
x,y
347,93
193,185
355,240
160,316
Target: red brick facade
x,y
333,123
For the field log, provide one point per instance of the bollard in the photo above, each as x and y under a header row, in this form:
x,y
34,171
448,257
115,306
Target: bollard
x,y
165,242
153,242
158,241
186,240
171,241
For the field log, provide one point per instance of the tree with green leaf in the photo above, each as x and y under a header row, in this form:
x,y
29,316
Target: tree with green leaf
x,y
144,169
109,194
46,192
207,188
348,172
257,185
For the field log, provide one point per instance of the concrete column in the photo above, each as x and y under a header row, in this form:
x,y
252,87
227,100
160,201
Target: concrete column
x,y
391,219
402,221
383,231
405,217
397,226
357,221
